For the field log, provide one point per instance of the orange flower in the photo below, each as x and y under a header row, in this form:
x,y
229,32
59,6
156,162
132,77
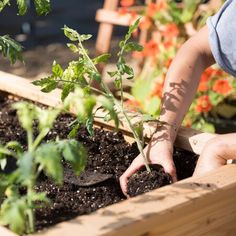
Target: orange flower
x,y
153,8
203,86
222,86
145,23
133,105
150,49
188,122
171,31
126,3
157,91
122,11
203,104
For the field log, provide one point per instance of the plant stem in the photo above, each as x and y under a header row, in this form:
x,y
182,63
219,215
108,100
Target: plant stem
x,y
120,106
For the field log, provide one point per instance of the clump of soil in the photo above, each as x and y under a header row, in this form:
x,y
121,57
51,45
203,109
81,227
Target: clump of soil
x,y
108,153
144,181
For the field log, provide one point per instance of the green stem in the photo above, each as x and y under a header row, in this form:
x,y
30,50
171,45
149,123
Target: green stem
x,y
136,137
73,82
39,138
109,93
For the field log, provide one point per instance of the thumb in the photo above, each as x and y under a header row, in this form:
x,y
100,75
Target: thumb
x,y
169,168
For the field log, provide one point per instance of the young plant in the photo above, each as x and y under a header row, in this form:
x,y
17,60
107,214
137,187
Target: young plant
x,y
18,196
82,72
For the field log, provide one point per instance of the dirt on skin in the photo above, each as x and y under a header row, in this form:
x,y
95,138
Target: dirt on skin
x,y
108,153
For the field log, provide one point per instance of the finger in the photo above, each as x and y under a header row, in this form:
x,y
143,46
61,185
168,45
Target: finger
x,y
170,169
133,168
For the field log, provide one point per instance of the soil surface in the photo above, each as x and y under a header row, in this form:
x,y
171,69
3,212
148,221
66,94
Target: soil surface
x,y
108,153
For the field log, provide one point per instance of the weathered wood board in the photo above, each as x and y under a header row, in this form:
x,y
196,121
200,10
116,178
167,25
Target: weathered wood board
x,y
195,206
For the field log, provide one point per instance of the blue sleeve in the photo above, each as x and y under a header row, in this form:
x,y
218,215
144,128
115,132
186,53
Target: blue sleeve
x,y
222,36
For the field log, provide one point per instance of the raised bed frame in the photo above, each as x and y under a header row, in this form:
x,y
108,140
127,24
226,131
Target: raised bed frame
x,y
195,206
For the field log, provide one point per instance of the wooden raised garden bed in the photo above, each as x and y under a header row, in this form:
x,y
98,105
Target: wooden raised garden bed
x,y
195,206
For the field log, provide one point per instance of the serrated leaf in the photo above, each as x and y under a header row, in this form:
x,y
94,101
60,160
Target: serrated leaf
x,y
26,114
13,214
49,158
72,47
47,84
22,6
132,46
101,58
66,90
112,73
71,34
46,118
42,6
75,154
84,37
57,70
129,71
4,3
10,49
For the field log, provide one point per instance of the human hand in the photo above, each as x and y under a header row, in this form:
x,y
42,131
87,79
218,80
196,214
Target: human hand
x,y
158,151
215,153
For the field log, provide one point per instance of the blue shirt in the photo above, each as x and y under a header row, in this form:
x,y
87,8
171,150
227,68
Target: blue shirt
x,y
222,36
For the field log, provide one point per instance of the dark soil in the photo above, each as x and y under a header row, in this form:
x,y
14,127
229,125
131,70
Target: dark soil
x,y
108,153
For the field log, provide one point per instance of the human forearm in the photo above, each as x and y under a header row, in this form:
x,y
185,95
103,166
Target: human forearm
x,y
183,78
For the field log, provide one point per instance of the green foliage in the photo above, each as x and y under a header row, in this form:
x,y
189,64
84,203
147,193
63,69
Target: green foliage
x,y
42,7
10,49
17,211
77,79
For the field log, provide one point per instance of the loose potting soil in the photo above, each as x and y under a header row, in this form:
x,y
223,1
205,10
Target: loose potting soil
x,y
108,153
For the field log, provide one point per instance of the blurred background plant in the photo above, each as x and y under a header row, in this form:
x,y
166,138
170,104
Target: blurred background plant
x,y
170,24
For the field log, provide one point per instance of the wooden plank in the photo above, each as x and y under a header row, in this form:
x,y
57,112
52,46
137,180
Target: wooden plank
x,y
105,29
193,207
113,17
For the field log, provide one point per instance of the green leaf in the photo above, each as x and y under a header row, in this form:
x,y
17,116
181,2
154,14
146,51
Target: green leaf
x,y
84,37
71,34
26,114
47,84
74,131
25,163
96,76
42,6
112,73
14,145
132,46
66,90
75,154
57,70
101,58
4,3
22,6
72,47
49,158
10,49
89,125
13,214
46,118
129,71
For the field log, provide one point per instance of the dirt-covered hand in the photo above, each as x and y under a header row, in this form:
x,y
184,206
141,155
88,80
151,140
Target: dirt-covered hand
x,y
157,152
